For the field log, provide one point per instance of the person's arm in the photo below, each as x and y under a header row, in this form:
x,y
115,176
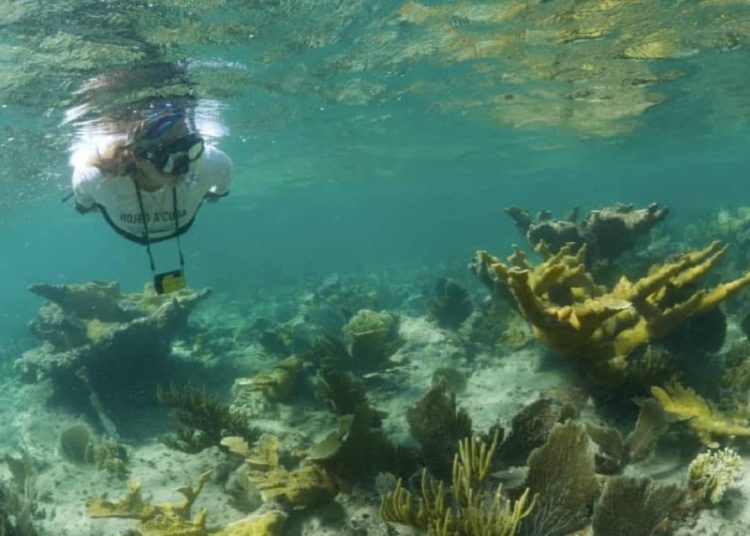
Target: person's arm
x,y
83,179
220,175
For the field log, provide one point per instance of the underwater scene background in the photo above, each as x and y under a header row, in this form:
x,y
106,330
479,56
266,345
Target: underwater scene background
x,y
356,352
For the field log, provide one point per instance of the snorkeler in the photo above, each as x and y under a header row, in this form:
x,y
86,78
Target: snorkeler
x,y
150,183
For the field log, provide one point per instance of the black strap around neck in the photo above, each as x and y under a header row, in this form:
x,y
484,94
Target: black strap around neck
x,y
147,239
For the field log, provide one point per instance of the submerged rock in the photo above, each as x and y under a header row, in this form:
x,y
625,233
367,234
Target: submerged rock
x,y
120,341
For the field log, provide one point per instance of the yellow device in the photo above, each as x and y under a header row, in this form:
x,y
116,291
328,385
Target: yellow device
x,y
168,282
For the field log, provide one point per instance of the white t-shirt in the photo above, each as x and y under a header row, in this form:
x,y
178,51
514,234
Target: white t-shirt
x,y
117,198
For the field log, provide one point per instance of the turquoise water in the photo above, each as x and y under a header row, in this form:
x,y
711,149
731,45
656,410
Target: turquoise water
x,y
350,156
367,137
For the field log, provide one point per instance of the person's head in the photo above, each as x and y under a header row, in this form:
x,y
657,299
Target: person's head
x,y
165,142
161,145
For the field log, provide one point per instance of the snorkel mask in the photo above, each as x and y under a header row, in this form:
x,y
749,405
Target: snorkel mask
x,y
156,141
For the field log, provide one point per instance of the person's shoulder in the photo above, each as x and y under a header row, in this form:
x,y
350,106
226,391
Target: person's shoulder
x,y
86,174
215,157
214,164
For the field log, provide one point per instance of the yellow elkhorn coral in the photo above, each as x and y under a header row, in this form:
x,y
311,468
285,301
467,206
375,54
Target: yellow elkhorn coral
x,y
574,316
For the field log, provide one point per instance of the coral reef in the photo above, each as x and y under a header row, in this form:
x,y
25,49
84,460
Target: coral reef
x,y
599,327
110,456
340,390
711,473
726,224
683,403
451,305
609,449
359,449
467,508
168,519
630,507
455,380
561,474
530,428
307,485
200,420
607,233
275,385
15,513
371,339
651,424
122,342
437,424
74,443
496,323
18,499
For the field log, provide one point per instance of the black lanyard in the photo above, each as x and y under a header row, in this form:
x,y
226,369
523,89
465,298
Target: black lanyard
x,y
145,226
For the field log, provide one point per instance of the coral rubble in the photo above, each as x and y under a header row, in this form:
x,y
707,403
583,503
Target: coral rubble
x,y
169,519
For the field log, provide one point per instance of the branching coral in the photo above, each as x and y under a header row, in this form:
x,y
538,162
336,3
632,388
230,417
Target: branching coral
x,y
466,508
155,519
307,485
683,403
607,232
168,519
601,327
711,473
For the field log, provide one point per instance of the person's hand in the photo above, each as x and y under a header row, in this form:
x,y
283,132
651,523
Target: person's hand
x,y
212,197
85,210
